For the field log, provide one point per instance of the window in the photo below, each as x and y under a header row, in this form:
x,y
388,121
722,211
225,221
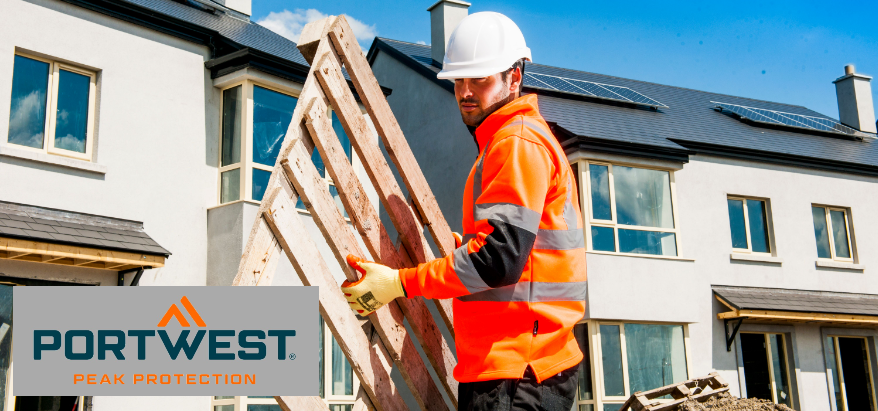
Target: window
x,y
584,393
832,228
254,122
638,357
766,374
631,209
337,385
851,373
748,221
52,108
321,168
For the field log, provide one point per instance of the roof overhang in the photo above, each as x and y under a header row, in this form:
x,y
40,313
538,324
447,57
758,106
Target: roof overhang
x,y
812,312
76,256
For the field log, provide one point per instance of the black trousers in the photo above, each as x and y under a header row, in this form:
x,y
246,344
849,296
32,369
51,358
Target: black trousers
x,y
554,394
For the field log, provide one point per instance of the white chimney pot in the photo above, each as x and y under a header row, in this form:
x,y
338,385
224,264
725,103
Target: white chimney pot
x,y
855,108
445,15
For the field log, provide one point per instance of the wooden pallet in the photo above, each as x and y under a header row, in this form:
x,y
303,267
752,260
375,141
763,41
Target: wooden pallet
x,y
690,389
329,45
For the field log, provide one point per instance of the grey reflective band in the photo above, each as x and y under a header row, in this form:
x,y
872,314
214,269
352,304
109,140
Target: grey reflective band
x,y
519,216
559,239
569,211
466,271
534,292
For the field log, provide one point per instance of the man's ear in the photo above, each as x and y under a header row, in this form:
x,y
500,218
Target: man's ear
x,y
515,81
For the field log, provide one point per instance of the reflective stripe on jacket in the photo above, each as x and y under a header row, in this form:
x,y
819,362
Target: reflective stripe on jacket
x,y
518,281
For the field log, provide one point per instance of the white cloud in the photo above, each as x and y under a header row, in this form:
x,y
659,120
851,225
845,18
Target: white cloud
x,y
421,42
290,24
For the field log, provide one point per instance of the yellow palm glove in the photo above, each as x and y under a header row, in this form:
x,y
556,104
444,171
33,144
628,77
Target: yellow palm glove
x,y
378,286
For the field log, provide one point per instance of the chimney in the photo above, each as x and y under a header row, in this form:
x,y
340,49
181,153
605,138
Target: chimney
x,y
855,107
242,6
445,15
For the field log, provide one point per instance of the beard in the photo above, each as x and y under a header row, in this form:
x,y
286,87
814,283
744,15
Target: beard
x,y
475,118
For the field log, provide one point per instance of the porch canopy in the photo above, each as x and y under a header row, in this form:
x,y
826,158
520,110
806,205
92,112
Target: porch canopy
x,y
51,236
773,305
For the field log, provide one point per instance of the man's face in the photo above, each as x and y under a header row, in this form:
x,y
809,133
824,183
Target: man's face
x,y
477,98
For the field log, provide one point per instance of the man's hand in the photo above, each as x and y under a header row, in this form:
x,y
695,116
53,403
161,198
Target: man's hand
x,y
379,285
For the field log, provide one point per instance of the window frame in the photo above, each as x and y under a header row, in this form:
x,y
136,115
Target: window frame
x,y
51,110
768,354
240,403
850,236
586,204
838,366
769,226
597,360
592,369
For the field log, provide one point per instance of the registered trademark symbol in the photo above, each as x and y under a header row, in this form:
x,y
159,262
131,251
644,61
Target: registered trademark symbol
x,y
292,356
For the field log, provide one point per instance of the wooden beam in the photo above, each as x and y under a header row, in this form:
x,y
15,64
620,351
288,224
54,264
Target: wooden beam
x,y
82,261
369,360
411,231
394,141
388,320
376,239
58,253
792,316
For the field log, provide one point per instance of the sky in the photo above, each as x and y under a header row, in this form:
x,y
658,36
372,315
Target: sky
x,y
783,51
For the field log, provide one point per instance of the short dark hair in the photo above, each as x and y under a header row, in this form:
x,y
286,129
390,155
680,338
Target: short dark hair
x,y
518,64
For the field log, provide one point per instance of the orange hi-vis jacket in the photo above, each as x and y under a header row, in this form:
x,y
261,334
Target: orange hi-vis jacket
x,y
518,281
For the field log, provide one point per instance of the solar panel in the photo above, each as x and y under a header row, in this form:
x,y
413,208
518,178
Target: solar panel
x,y
761,115
588,88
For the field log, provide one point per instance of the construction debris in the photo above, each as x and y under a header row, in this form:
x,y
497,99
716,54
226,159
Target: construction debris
x,y
727,402
698,394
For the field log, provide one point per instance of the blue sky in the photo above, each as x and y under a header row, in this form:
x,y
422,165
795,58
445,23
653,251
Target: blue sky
x,y
781,51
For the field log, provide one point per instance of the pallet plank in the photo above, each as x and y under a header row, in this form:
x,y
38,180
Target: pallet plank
x,y
377,241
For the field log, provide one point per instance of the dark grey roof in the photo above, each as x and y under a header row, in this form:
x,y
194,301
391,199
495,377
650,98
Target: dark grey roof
x,y
773,299
241,31
689,124
67,227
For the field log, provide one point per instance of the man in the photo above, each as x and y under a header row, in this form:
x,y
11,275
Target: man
x,y
518,279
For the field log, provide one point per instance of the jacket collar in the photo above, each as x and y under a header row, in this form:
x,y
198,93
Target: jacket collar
x,y
523,106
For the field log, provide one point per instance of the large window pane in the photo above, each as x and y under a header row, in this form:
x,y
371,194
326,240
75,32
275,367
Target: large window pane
x,y
820,232
340,407
260,183
585,387
230,185
231,142
779,365
335,196
230,407
599,179
656,355
71,117
27,115
737,225
643,197
272,113
839,234
603,238
611,359
758,225
263,407
647,242
612,407
342,374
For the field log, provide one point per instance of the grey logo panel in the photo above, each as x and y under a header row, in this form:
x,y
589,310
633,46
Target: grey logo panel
x,y
71,341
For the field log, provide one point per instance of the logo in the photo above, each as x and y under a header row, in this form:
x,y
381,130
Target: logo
x,y
174,312
106,341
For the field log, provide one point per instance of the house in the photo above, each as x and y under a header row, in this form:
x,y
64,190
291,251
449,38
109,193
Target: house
x,y
136,140
723,233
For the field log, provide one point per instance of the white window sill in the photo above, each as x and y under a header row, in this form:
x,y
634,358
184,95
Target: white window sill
x,y
761,258
656,257
9,151
840,265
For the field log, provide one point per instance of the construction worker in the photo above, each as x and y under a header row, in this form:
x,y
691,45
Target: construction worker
x,y
518,277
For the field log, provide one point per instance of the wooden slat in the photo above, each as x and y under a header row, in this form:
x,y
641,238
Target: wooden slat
x,y
376,239
328,71
388,320
16,254
394,141
370,361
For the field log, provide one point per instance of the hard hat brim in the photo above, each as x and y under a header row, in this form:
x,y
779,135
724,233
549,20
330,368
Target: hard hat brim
x,y
480,70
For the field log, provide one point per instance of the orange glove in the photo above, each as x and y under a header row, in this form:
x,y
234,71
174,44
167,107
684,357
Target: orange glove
x,y
378,286
458,240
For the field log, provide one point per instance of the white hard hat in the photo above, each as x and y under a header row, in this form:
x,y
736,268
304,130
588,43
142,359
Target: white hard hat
x,y
483,44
